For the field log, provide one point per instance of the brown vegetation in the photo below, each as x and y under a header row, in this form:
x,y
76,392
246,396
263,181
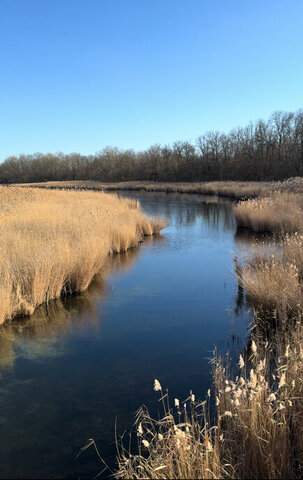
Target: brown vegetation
x,y
258,429
54,242
279,212
234,190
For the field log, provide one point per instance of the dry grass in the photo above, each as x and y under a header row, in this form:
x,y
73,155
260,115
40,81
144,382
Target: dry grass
x,y
257,430
280,212
262,435
181,444
234,190
274,282
54,242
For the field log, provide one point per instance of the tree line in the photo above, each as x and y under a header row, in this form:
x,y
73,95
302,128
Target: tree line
x,y
264,150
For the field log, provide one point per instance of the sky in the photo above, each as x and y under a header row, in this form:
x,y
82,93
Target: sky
x,y
78,75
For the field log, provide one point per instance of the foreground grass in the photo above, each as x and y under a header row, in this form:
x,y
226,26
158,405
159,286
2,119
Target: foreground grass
x,y
54,242
234,190
257,431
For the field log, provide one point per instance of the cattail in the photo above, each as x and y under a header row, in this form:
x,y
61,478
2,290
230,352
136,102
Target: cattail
x,y
177,403
241,362
157,385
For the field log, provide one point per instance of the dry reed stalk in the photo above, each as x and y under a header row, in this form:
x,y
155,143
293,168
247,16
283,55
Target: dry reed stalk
x,y
55,242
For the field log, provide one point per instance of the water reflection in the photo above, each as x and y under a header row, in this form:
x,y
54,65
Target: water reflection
x,y
42,334
156,311
185,209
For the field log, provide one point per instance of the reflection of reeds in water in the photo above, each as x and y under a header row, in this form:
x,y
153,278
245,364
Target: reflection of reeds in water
x,y
54,242
186,209
42,334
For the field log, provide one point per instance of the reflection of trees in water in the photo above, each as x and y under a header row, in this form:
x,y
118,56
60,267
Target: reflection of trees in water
x,y
38,335
186,209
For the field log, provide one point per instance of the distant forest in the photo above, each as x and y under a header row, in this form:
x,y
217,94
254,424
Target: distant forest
x,y
264,150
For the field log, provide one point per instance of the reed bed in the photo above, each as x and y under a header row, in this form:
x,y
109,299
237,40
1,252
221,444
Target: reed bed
x,y
274,282
280,212
54,242
256,432
229,189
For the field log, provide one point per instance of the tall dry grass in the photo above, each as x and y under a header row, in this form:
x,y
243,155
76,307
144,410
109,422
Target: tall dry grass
x,y
280,212
274,282
229,189
54,242
256,432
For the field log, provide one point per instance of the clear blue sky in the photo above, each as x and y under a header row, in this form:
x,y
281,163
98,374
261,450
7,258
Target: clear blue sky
x,y
77,75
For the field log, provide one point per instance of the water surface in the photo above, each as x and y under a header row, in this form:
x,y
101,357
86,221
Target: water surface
x,y
158,311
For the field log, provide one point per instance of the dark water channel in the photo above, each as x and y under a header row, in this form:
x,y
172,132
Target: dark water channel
x,y
157,312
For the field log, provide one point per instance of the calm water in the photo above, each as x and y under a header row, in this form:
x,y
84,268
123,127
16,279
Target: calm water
x,y
157,312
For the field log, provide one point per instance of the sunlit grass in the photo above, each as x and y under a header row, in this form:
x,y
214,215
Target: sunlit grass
x,y
280,212
256,431
54,242
231,189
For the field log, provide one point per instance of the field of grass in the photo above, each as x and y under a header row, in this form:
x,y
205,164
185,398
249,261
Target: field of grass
x,y
54,242
234,190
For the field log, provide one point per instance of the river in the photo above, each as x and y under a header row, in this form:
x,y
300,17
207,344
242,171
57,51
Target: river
x,y
72,370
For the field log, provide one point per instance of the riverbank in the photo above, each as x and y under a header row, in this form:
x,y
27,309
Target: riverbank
x,y
54,242
233,190
256,431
